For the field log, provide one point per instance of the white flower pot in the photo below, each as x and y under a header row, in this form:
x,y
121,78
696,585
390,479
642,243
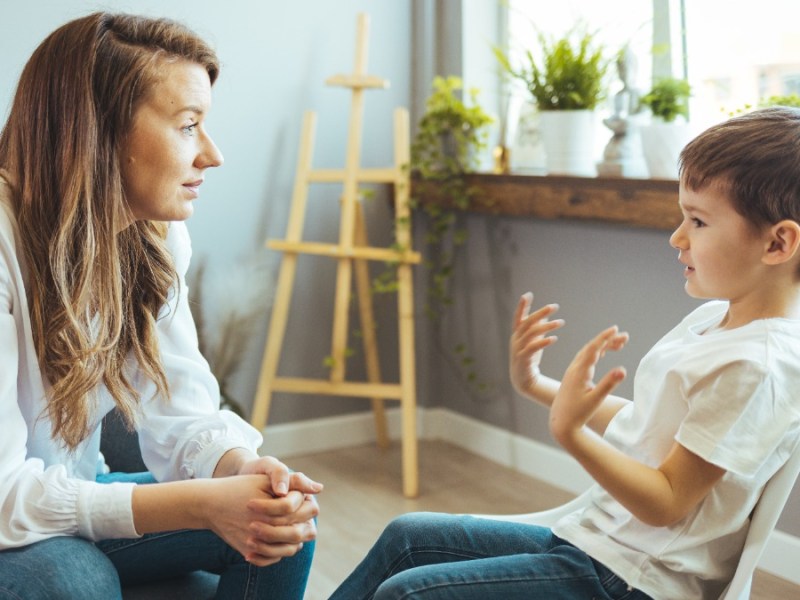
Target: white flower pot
x,y
662,144
568,139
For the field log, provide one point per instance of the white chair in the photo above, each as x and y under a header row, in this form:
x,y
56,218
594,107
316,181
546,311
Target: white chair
x,y
765,516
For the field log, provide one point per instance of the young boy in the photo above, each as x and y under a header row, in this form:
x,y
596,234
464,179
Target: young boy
x,y
715,415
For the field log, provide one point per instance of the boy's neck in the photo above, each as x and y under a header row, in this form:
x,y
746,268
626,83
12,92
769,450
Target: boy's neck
x,y
775,302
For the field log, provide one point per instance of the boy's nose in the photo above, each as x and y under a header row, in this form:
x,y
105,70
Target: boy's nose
x,y
677,239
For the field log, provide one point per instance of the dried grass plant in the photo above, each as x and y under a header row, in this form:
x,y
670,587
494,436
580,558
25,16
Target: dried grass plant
x,y
227,318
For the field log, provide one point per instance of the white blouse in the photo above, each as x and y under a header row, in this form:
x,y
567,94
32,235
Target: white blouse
x,y
46,490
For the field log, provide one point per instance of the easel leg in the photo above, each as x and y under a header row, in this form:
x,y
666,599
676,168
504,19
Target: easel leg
x,y
408,401
283,293
405,309
272,351
364,291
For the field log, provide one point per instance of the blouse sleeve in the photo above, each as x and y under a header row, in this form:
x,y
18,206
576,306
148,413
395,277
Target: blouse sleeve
x,y
185,435
40,501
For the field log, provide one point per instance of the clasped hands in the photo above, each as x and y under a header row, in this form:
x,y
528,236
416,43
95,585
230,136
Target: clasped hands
x,y
577,397
265,511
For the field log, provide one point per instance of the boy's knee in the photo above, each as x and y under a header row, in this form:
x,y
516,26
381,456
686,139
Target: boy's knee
x,y
416,526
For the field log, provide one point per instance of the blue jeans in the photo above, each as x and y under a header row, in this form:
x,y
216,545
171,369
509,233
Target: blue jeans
x,y
72,567
436,556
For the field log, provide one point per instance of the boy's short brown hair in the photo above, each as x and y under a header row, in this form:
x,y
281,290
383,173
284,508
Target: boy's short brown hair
x,y
755,159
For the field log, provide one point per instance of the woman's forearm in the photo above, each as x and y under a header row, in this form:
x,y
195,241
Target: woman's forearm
x,y
170,506
232,461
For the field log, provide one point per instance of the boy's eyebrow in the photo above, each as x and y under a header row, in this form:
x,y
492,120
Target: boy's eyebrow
x,y
691,209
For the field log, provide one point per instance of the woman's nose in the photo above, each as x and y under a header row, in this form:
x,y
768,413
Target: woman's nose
x,y
210,156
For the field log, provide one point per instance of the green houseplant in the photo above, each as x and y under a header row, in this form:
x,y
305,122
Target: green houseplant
x,y
566,80
668,99
664,138
570,75
451,133
785,100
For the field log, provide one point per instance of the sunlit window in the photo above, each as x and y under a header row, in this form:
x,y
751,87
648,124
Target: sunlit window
x,y
740,53
615,23
735,54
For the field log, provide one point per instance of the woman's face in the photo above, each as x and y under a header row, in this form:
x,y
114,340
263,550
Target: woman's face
x,y
168,148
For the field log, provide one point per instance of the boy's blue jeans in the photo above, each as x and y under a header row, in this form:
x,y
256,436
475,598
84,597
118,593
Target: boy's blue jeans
x,y
429,556
72,567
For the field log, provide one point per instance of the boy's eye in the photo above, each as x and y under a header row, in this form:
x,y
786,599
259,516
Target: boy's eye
x,y
697,222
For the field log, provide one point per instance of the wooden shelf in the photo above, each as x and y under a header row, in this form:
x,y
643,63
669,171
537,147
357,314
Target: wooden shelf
x,y
649,203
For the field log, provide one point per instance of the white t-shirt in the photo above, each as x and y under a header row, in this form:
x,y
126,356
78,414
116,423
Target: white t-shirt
x,y
47,491
729,396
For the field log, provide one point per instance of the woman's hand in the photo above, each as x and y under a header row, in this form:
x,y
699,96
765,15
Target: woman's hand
x,y
239,461
578,397
243,511
281,479
528,340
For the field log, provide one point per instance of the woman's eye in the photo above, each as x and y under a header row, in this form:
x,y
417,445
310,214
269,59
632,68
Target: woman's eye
x,y
190,129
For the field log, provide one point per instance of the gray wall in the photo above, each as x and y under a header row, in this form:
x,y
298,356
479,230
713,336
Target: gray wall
x,y
275,57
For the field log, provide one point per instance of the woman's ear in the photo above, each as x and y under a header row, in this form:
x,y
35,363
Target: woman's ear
x,y
784,242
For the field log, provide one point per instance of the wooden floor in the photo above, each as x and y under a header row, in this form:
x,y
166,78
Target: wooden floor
x,y
363,493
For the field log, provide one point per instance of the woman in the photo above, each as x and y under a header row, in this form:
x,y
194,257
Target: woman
x,y
102,157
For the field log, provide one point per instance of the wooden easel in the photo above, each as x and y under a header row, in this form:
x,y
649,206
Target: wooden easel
x,y
351,253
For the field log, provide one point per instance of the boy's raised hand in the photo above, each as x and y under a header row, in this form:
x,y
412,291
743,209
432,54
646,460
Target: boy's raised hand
x,y
529,338
579,397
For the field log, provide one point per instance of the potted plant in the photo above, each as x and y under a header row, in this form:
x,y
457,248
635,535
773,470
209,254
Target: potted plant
x,y
450,135
668,99
667,134
566,82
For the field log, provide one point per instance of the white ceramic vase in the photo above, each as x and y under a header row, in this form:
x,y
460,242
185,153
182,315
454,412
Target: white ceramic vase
x,y
662,144
568,139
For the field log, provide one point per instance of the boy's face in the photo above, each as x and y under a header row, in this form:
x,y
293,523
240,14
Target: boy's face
x,y
721,250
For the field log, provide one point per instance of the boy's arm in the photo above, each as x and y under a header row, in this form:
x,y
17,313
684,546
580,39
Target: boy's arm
x,y
529,338
656,496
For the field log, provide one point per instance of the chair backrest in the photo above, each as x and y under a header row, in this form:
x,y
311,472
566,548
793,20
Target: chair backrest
x,y
762,523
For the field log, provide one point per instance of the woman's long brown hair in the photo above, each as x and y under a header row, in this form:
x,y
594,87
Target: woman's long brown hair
x,y
94,293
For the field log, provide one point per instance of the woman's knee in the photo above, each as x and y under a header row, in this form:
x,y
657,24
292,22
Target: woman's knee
x,y
60,567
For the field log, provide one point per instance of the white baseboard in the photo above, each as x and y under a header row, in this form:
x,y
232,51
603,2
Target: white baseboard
x,y
535,459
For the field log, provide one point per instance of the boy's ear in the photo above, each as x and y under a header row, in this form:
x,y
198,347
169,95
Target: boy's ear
x,y
784,242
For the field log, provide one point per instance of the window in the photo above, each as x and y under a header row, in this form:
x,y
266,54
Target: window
x,y
740,53
734,53
616,23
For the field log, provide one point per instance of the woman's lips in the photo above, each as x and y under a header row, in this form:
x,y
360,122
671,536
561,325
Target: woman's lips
x,y
193,187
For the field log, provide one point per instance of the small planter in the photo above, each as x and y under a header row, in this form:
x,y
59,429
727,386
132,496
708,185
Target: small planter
x,y
662,144
568,140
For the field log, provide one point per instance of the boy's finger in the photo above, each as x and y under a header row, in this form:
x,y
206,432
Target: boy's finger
x,y
523,307
609,382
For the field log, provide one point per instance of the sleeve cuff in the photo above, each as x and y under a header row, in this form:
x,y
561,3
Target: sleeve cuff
x,y
209,456
105,511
